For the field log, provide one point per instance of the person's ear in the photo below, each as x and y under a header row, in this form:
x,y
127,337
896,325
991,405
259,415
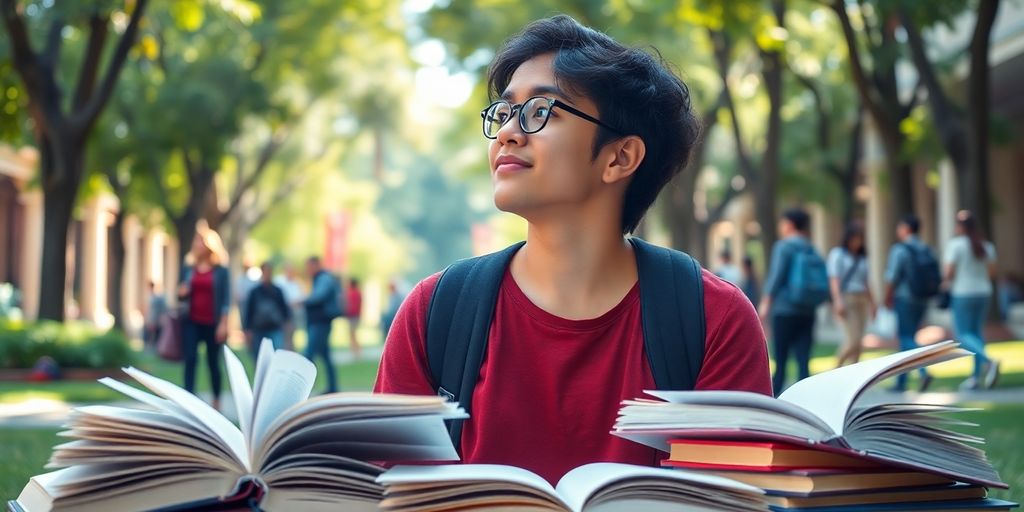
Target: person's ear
x,y
622,158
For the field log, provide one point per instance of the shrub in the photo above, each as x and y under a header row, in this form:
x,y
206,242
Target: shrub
x,y
72,345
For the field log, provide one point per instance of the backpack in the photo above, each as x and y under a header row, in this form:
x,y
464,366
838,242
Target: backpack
x,y
267,314
333,305
808,278
462,306
923,274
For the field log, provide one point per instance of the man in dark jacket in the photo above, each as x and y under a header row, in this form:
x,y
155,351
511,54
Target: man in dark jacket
x,y
322,307
266,312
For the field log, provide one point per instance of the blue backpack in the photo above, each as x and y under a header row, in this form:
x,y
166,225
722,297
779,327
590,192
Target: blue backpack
x,y
808,278
462,306
923,274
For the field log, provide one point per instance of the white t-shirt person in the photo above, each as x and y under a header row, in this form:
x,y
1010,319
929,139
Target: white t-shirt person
x,y
970,277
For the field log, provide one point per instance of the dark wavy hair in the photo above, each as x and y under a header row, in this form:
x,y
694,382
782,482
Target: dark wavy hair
x,y
855,228
634,91
971,231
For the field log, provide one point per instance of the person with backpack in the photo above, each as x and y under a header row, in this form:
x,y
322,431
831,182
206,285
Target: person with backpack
x,y
852,302
797,283
911,278
541,342
267,313
322,305
970,266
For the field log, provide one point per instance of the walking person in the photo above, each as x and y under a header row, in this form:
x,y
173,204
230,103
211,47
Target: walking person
x,y
205,289
911,278
726,270
353,313
852,302
322,307
970,266
156,307
267,313
791,295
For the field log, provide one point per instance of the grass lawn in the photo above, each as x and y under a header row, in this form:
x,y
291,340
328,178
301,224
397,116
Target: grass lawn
x,y
24,452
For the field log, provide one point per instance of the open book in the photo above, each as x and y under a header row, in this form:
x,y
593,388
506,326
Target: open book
x,y
287,451
598,487
821,411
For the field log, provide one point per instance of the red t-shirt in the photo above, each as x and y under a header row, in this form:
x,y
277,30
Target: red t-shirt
x,y
550,388
354,301
201,300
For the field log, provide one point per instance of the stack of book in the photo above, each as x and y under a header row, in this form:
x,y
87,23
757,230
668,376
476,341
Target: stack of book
x,y
815,448
288,452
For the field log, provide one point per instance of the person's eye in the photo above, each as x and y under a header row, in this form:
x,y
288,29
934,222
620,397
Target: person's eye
x,y
541,112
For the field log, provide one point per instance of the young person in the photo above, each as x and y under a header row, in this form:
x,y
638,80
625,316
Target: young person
x,y
322,305
852,302
205,289
584,134
900,296
267,313
792,323
969,266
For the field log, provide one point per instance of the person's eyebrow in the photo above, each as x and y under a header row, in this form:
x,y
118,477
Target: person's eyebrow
x,y
538,90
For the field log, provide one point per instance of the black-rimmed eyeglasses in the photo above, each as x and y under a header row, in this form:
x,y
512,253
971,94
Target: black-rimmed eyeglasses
x,y
533,115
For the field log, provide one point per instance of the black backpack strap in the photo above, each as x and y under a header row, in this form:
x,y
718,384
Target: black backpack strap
x,y
458,323
672,311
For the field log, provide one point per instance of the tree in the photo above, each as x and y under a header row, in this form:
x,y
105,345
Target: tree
x,y
964,132
62,125
874,75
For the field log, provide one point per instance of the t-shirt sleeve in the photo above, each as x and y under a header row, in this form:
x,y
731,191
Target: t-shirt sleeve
x,y
949,255
403,366
835,260
735,349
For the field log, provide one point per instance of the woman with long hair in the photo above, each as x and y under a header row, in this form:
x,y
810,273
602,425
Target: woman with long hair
x,y
970,265
852,302
205,291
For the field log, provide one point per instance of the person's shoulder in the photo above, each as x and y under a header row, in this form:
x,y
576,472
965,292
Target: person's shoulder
x,y
719,293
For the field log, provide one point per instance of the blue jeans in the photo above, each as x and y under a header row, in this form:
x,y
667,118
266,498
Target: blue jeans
x,y
318,335
908,319
968,321
794,332
276,337
191,334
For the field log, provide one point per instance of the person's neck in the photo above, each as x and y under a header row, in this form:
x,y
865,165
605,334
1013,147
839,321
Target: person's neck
x,y
574,271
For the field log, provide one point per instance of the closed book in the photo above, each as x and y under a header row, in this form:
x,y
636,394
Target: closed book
x,y
753,454
976,505
810,481
904,495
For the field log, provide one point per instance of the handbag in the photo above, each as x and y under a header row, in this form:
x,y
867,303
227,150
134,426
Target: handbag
x,y
168,346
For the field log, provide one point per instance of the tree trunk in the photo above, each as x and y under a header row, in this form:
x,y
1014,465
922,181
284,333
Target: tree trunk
x,y
768,177
58,206
116,269
975,190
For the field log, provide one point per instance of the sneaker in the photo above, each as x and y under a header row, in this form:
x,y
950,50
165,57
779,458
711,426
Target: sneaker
x,y
969,384
926,381
991,374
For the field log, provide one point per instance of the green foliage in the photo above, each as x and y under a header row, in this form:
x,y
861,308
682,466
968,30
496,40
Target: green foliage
x,y
72,345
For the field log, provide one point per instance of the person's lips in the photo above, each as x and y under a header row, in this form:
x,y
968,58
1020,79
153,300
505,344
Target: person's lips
x,y
509,163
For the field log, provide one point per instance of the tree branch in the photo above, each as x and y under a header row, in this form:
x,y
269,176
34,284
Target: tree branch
x,y
91,61
867,94
267,152
937,98
280,194
162,194
722,49
92,108
53,43
43,92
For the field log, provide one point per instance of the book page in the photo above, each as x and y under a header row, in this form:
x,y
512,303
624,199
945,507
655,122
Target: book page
x,y
577,486
463,473
742,399
201,411
263,360
155,402
287,381
845,384
241,392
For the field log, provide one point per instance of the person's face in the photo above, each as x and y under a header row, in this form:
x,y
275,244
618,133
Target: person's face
x,y
784,228
311,268
266,273
902,231
199,248
856,242
543,172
